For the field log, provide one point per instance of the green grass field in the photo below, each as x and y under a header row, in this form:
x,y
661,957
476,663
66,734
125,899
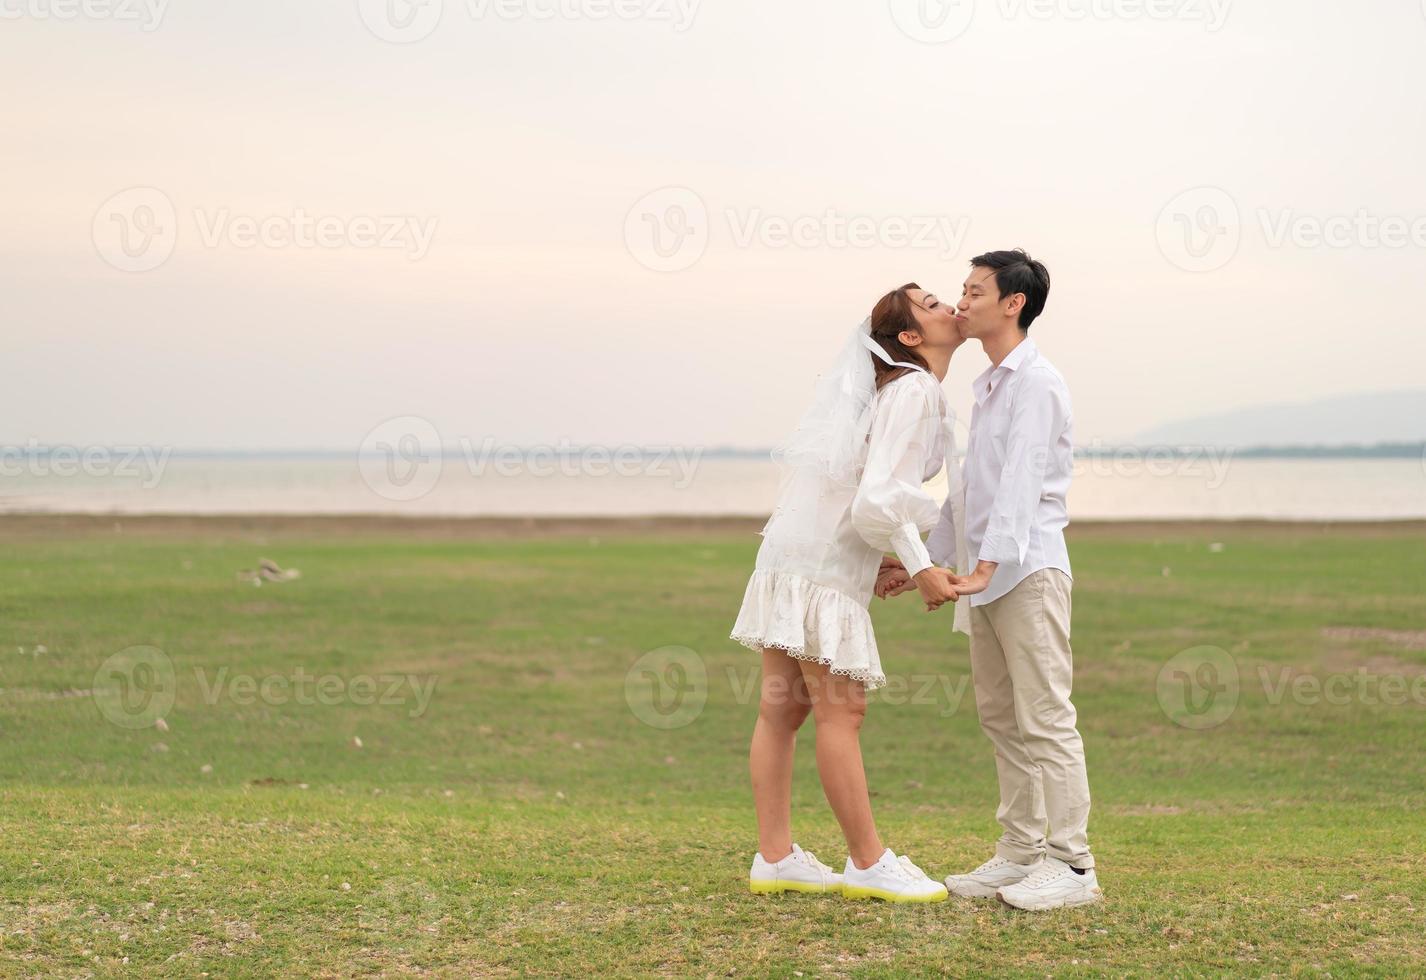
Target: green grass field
x,y
526,820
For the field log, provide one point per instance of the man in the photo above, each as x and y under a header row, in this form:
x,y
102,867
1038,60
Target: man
x,y
1017,474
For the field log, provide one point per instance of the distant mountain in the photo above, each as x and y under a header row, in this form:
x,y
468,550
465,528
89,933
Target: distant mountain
x,y
1350,420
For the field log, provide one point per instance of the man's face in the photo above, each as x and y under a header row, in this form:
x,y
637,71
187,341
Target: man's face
x,y
981,312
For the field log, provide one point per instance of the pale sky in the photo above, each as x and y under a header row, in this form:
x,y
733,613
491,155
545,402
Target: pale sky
x,y
502,154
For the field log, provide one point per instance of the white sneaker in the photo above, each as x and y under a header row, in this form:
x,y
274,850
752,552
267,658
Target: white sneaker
x,y
1054,885
895,879
800,871
989,878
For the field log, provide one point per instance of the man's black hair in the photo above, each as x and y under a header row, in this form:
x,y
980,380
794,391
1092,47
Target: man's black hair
x,y
1016,272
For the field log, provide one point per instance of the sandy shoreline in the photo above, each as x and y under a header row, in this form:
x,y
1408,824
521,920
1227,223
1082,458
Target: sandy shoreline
x,y
497,528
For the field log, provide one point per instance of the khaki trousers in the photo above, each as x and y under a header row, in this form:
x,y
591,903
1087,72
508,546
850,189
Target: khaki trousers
x,y
1023,671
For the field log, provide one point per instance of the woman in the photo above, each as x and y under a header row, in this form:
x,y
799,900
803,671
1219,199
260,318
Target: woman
x,y
879,429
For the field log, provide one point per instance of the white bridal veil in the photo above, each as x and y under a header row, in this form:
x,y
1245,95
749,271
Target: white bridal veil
x,y
831,438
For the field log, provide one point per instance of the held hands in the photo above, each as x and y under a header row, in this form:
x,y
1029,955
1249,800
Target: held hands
x,y
891,579
936,585
978,580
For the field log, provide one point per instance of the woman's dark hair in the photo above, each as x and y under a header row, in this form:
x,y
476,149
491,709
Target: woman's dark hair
x,y
892,314
1016,272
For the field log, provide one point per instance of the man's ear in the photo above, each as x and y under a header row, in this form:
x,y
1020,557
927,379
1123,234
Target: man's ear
x,y
1016,304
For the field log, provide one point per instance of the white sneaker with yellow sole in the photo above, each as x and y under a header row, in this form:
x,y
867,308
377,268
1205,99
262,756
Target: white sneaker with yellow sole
x,y
800,871
892,879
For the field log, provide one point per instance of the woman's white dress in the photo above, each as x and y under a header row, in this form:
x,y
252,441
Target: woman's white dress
x,y
816,570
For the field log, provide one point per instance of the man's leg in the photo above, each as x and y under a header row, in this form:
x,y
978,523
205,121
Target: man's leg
x,y
1034,628
1022,804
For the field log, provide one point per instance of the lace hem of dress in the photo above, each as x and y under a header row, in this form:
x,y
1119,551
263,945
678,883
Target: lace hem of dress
x,y
809,622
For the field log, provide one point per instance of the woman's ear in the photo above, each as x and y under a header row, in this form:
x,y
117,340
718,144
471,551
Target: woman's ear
x,y
909,338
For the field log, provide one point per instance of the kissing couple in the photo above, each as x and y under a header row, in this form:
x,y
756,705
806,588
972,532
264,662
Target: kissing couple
x,y
848,525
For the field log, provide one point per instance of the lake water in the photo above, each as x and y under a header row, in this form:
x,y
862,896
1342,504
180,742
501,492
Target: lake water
x,y
1127,489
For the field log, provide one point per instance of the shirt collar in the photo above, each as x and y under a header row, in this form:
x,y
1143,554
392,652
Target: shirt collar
x,y
1023,353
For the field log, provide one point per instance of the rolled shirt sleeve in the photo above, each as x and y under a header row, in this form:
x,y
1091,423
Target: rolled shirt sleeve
x,y
1037,417
891,510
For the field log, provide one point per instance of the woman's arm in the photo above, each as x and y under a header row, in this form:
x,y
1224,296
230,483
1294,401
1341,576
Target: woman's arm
x,y
891,510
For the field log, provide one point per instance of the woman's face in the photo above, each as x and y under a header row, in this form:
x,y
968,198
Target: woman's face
x,y
937,320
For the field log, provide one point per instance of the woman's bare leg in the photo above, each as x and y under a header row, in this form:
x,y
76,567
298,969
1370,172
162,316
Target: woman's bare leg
x,y
839,705
782,708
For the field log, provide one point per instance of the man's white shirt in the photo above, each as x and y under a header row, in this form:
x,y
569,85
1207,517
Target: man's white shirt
x,y
1018,466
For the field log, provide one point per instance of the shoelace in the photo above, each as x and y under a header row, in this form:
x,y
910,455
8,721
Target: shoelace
x,y
1045,875
812,859
990,865
910,867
